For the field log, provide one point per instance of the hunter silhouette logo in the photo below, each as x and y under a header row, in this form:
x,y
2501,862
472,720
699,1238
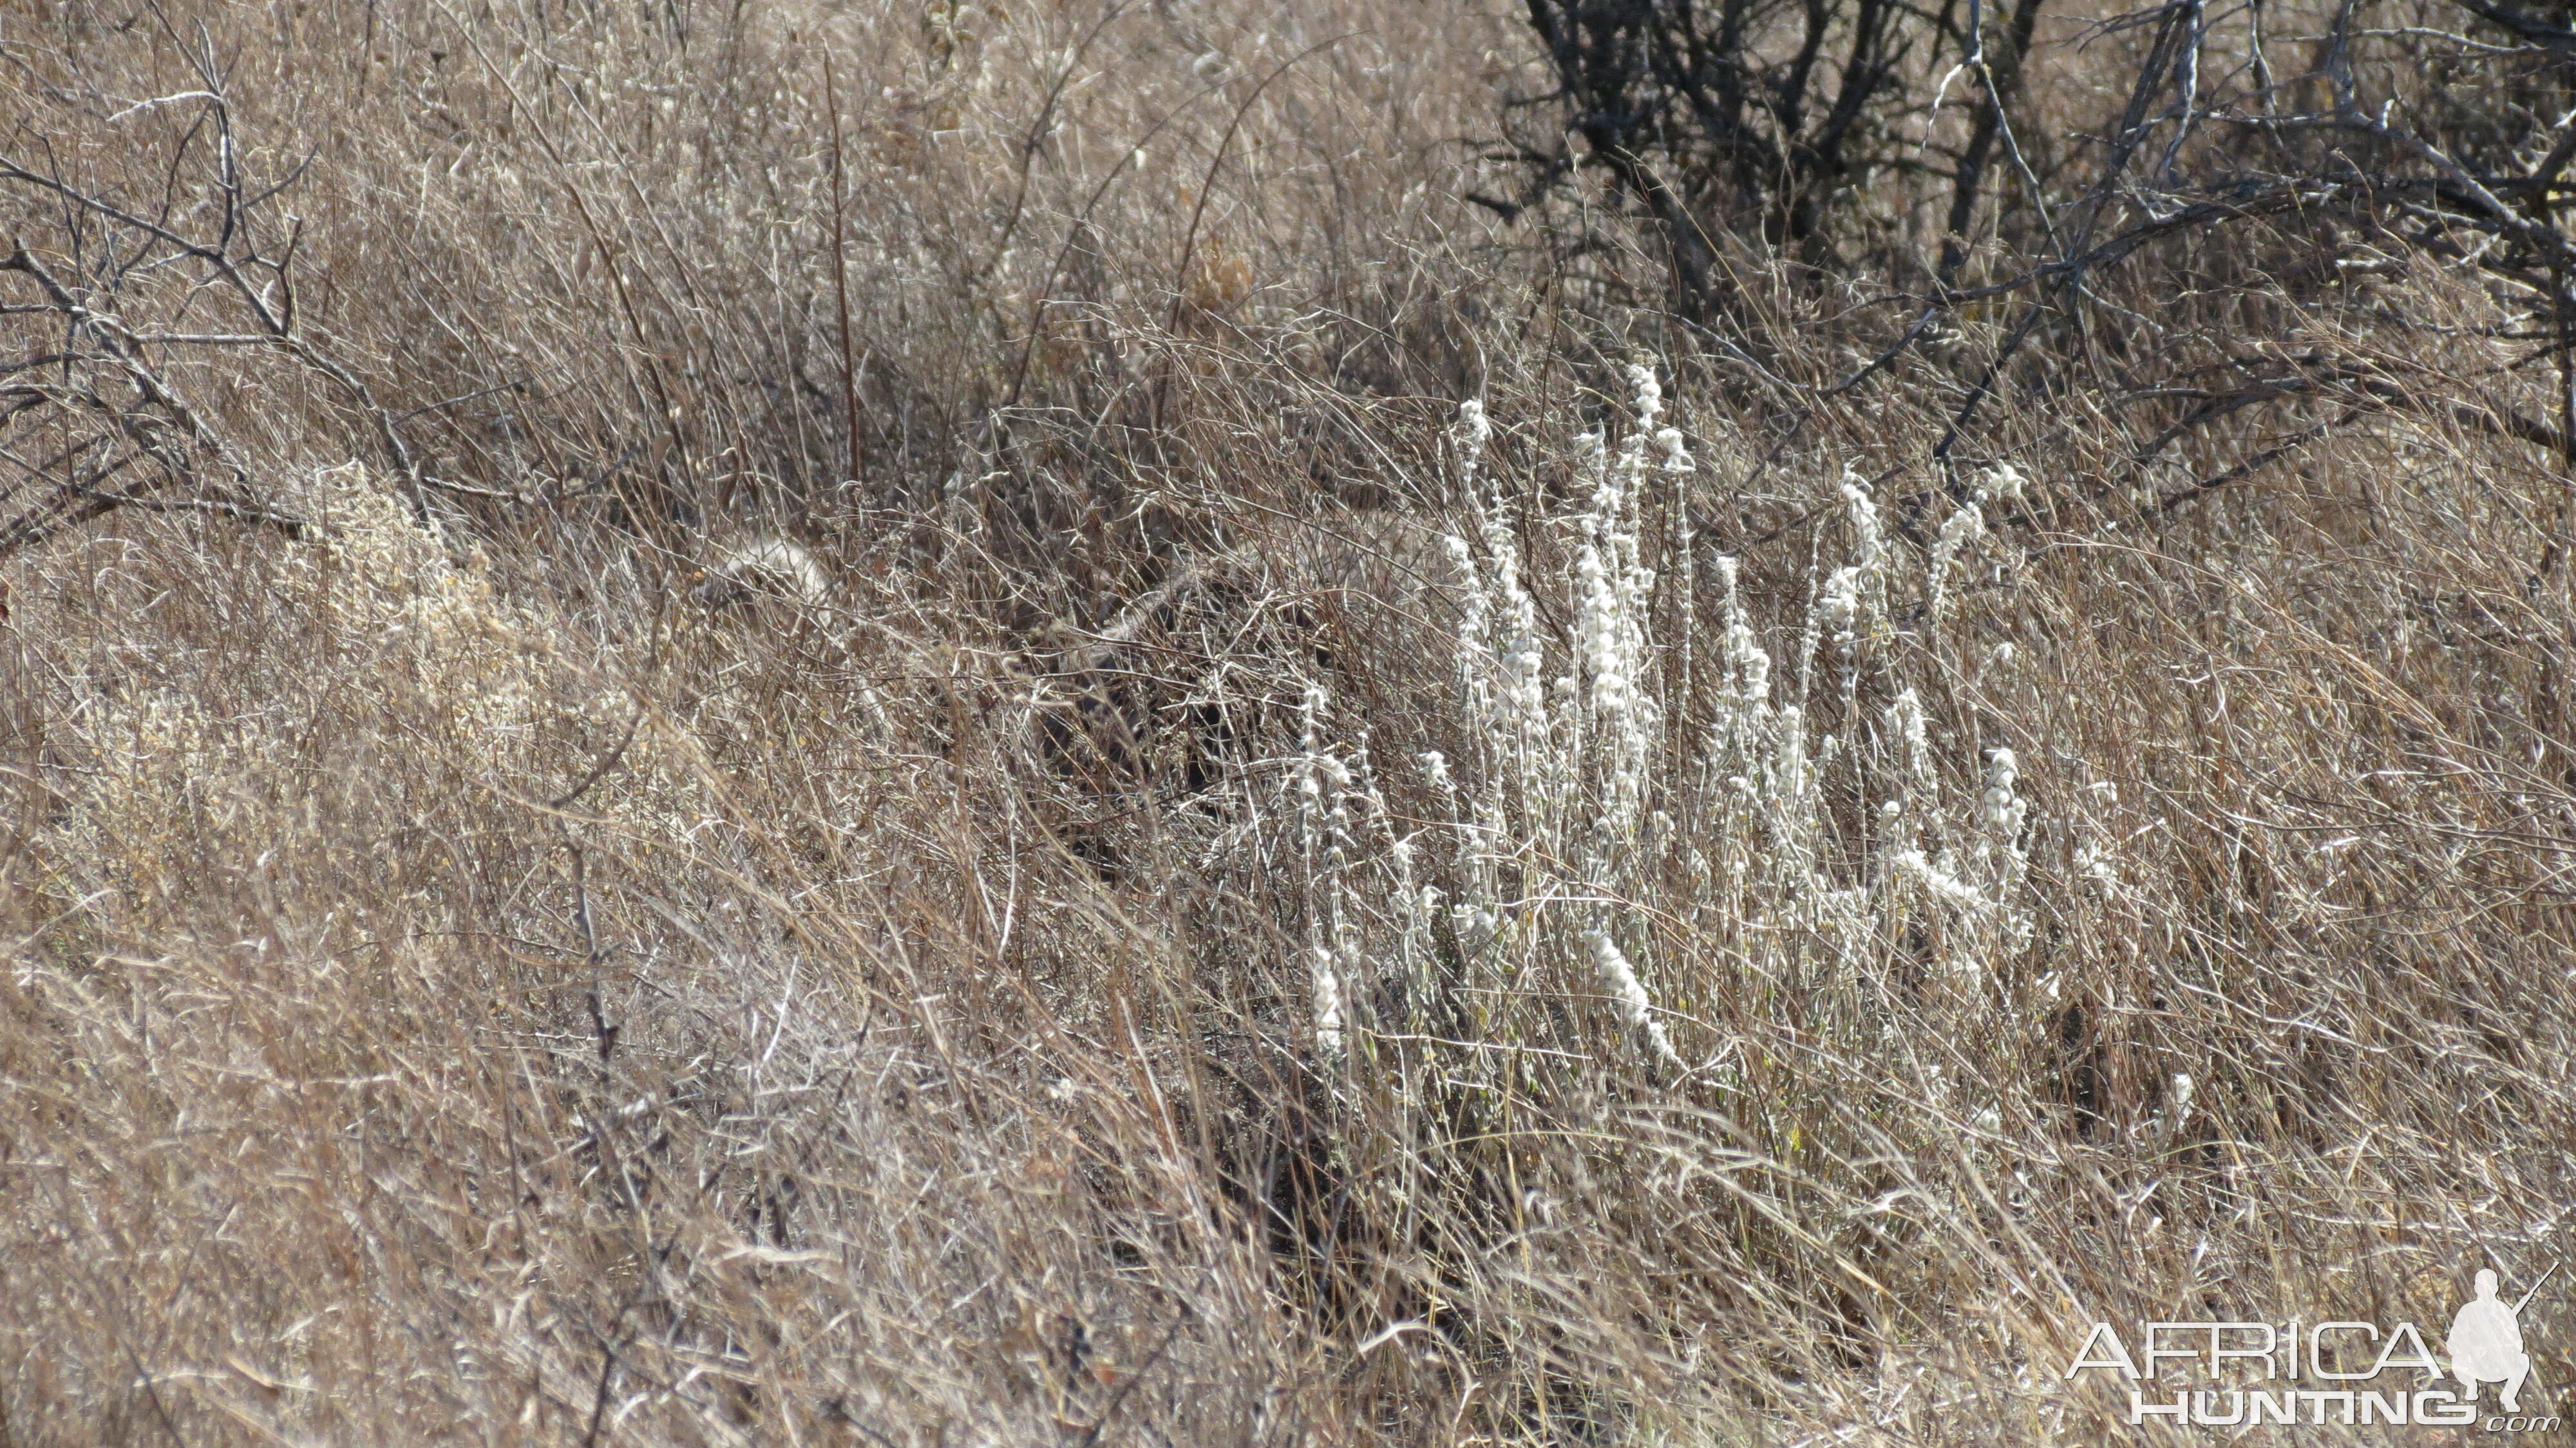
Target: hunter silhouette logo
x,y
2245,1373
2486,1342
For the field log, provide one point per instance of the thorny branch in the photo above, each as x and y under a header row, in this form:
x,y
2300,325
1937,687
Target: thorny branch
x,y
107,375
1719,124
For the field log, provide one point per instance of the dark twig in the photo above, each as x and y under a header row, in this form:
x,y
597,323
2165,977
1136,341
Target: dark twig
x,y
606,763
841,270
2247,467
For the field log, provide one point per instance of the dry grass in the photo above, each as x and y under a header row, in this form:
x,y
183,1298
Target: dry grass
x,y
458,990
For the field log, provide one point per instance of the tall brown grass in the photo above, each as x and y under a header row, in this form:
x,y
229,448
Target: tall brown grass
x,y
459,990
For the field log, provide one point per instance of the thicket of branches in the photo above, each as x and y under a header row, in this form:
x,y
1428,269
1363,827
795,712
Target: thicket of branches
x,y
2256,162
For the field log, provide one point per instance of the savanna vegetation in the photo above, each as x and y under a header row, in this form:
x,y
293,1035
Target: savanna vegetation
x,y
1270,721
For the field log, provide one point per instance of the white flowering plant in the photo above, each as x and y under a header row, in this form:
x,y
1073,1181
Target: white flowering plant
x,y
1671,824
